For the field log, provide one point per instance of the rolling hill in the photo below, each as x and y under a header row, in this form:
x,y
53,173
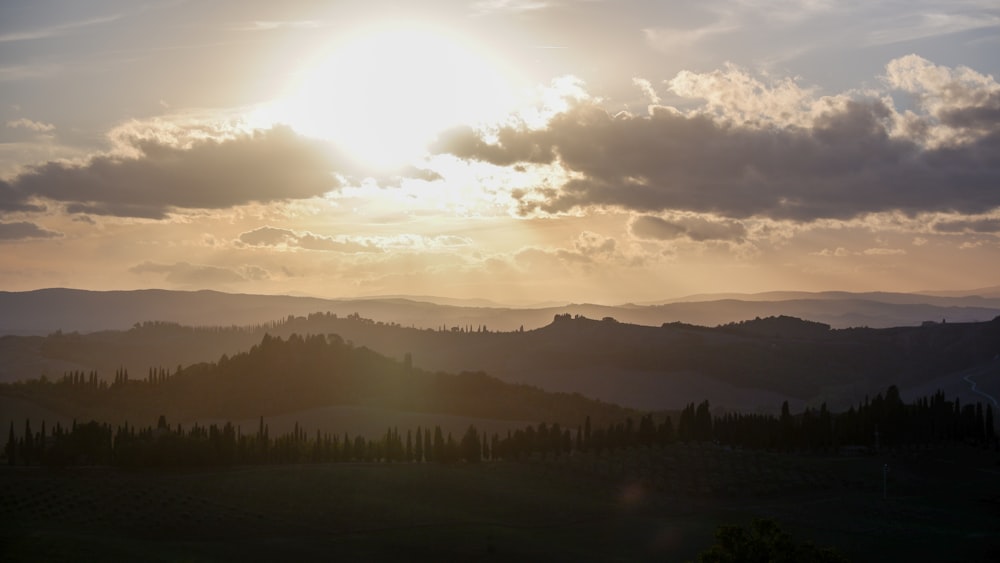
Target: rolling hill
x,y
45,311
747,365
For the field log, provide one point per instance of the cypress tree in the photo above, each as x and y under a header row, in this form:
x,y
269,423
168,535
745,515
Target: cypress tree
x,y
471,447
980,422
40,446
11,448
29,442
439,445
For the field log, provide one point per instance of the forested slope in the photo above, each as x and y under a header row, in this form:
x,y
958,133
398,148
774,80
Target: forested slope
x,y
288,375
636,365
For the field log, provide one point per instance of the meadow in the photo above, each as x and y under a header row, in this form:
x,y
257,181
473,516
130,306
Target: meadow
x,y
638,504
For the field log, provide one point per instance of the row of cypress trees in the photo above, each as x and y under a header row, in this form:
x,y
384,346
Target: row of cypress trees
x,y
882,421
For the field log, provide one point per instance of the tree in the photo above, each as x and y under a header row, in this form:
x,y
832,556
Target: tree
x,y
764,542
703,422
471,446
40,446
11,448
685,428
29,443
439,453
990,430
787,428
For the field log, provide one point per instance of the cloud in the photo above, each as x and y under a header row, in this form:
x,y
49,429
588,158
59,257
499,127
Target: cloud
x,y
789,11
267,236
24,230
921,26
516,6
839,252
25,123
671,40
883,252
263,166
55,30
272,236
592,245
716,19
698,229
957,104
968,226
734,95
198,275
512,147
589,248
647,89
271,25
12,73
786,156
450,241
12,201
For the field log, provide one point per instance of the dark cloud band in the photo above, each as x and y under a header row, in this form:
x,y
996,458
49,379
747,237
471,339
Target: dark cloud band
x,y
845,165
265,166
24,230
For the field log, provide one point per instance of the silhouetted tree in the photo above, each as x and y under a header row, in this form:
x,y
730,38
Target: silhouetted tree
x,y
11,448
418,449
438,449
471,446
28,448
990,429
764,542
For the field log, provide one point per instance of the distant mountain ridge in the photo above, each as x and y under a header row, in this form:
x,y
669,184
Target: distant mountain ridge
x,y
984,297
48,310
745,365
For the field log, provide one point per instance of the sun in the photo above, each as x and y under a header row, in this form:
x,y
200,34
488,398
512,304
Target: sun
x,y
384,92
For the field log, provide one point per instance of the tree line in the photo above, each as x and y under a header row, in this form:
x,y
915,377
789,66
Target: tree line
x,y
884,421
165,445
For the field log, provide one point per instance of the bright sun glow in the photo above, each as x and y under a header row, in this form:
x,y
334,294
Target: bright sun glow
x,y
384,93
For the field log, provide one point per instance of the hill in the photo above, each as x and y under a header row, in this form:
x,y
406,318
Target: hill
x,y
278,376
749,365
45,311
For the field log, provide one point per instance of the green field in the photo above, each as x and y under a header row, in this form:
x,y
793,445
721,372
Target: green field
x,y
642,504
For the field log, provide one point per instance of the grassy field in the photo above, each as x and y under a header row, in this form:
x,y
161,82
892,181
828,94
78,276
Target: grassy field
x,y
640,505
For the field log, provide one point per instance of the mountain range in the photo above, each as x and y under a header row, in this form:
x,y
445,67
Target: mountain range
x,y
44,311
599,352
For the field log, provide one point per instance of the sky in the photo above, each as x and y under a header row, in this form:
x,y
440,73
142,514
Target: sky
x,y
523,151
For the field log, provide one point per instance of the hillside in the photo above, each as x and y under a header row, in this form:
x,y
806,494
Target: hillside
x,y
747,365
279,376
